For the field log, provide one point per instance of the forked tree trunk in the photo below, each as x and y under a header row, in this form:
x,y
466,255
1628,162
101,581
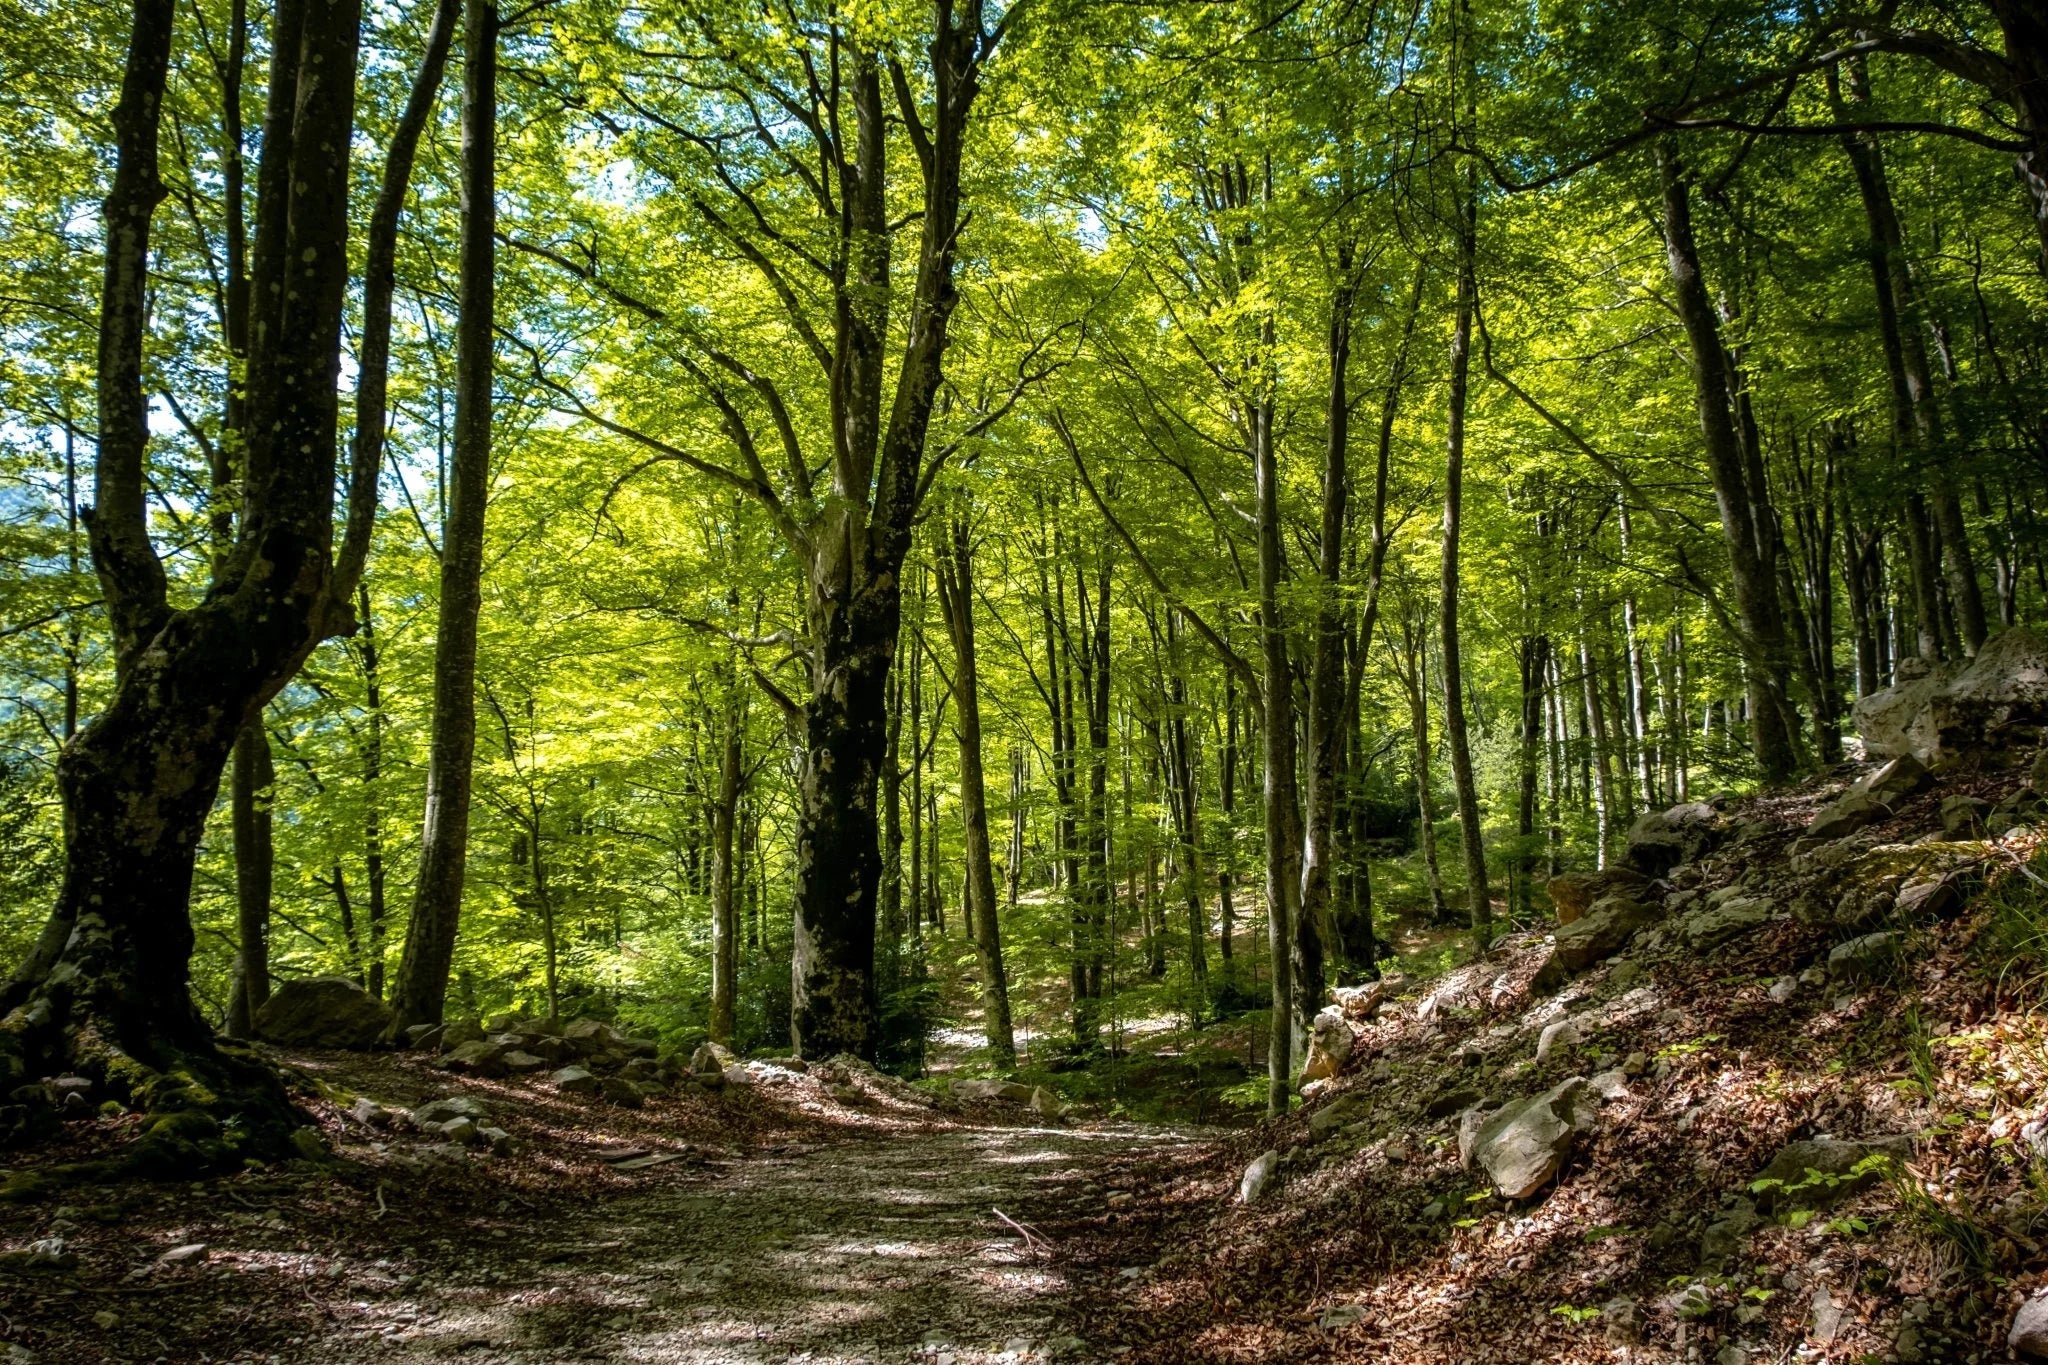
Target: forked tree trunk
x,y
106,992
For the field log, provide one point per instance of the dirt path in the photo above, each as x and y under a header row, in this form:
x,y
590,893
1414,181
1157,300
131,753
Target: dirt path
x,y
866,1249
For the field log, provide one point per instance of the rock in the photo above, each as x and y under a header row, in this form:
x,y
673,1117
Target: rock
x,y
1522,1146
323,1011
1997,705
643,1071
1621,1319
1469,1124
1257,1176
575,1080
1892,783
424,1037
1635,1064
622,1092
2023,807
1851,811
1727,1234
711,1057
483,1057
463,1131
1611,1084
498,1140
451,1107
189,1254
1047,1105
368,1111
1910,1343
1008,1091
519,1062
1329,1045
2029,1334
1334,1115
1863,958
1361,1002
1962,816
1707,929
1660,840
461,1031
1450,1101
1573,893
1893,721
1929,898
44,1256
1816,1172
636,1047
737,1075
1783,989
586,1037
1563,1033
1602,932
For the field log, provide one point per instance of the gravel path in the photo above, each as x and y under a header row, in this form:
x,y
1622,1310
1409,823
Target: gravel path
x,y
882,1249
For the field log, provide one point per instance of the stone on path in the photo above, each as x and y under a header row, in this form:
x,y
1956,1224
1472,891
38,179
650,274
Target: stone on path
x,y
1257,1176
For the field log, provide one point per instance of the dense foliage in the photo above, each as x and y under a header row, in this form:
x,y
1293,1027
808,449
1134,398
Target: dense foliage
x,y
1201,248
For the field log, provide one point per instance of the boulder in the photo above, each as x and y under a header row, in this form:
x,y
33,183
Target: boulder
x,y
1995,707
1892,721
1009,1091
1660,840
424,1037
1523,1145
1573,893
498,1140
622,1092
587,1037
1361,1002
574,1080
1816,1172
1862,958
1706,929
1047,1105
463,1131
1469,1125
1257,1176
1338,1112
367,1111
1562,1033
2029,1334
519,1063
1601,932
449,1107
1329,1045
1726,1235
1892,783
1962,816
323,1011
710,1058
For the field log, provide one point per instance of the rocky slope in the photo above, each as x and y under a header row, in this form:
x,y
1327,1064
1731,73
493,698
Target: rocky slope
x,y
1770,1091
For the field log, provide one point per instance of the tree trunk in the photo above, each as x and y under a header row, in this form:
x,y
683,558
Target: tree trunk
x,y
1534,660
1472,834
106,991
422,987
1762,629
373,777
1327,673
725,954
249,807
1283,836
956,599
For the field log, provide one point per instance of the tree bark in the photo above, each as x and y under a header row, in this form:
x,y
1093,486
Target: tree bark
x,y
725,954
1762,629
1472,835
956,599
1283,835
421,990
249,806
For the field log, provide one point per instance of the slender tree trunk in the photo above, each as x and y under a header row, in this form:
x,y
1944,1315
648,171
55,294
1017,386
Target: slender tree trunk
x,y
1773,731
373,790
1535,666
422,986
956,599
725,953
1472,834
249,805
1283,840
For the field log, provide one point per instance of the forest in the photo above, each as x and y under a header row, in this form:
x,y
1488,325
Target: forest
x,y
1142,571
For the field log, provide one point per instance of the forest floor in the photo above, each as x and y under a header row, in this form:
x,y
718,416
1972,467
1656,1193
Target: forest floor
x,y
766,1223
